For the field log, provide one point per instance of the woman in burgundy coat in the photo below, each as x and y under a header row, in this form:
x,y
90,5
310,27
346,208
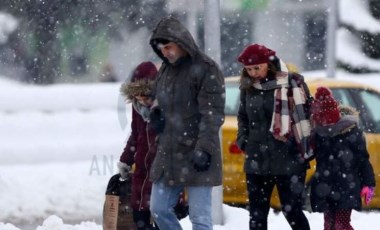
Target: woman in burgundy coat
x,y
141,146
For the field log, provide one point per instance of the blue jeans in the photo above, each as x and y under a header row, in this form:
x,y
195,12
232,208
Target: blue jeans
x,y
164,198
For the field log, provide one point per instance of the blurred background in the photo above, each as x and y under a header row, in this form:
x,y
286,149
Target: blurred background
x,y
69,41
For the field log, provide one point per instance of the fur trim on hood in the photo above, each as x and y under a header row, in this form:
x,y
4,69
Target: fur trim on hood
x,y
346,110
141,87
142,82
349,119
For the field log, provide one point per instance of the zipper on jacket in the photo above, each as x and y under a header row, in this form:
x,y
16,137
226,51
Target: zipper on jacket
x,y
171,82
146,167
171,132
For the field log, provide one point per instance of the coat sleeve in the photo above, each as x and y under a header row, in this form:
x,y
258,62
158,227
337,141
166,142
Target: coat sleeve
x,y
243,129
211,102
129,151
366,173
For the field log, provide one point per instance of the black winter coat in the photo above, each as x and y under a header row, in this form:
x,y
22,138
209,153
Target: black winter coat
x,y
191,95
264,154
343,167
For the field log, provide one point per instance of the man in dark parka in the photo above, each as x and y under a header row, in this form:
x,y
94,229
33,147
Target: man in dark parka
x,y
190,95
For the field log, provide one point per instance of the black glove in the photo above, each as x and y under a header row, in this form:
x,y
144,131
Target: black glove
x,y
201,160
241,143
157,119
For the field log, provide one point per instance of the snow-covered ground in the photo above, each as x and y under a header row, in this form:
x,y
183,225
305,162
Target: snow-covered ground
x,y
60,145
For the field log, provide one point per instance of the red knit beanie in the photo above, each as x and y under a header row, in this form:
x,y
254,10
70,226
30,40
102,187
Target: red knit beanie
x,y
325,109
146,71
256,54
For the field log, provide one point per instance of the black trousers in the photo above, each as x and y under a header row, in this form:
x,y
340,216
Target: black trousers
x,y
291,192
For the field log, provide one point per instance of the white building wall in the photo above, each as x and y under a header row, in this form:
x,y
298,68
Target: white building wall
x,y
282,32
281,27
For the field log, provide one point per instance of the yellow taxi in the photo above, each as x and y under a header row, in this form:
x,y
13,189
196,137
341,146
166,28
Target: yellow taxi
x,y
362,97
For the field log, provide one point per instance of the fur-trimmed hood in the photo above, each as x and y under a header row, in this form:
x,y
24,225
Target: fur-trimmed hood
x,y
143,87
142,82
349,119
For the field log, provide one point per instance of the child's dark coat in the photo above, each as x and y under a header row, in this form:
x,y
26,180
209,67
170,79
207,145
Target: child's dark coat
x,y
343,166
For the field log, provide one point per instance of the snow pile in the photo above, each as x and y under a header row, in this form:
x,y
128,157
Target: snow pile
x,y
350,11
61,122
8,227
63,97
349,50
353,55
55,223
234,218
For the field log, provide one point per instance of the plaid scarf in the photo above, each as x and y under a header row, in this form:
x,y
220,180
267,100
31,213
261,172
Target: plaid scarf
x,y
289,118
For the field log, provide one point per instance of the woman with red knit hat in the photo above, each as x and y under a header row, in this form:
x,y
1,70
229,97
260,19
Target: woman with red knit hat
x,y
140,149
273,131
343,172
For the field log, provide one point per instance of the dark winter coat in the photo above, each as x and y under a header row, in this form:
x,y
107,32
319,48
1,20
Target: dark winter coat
x,y
140,150
264,154
343,166
191,95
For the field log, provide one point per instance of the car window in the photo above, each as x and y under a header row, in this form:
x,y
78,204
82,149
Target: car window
x,y
232,98
343,96
371,109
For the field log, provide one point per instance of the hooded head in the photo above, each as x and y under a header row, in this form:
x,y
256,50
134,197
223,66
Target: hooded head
x,y
256,54
142,81
325,109
169,29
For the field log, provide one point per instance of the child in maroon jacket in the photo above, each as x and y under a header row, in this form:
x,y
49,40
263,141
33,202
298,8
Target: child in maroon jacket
x,y
344,172
140,149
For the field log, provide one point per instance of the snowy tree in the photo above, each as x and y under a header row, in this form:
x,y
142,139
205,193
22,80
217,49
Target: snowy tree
x,y
361,37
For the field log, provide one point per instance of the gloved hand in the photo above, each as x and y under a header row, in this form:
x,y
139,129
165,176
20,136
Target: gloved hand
x,y
201,160
241,143
367,192
157,119
124,170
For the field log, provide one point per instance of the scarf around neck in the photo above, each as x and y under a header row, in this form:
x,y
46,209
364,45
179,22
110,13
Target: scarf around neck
x,y
289,115
142,110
